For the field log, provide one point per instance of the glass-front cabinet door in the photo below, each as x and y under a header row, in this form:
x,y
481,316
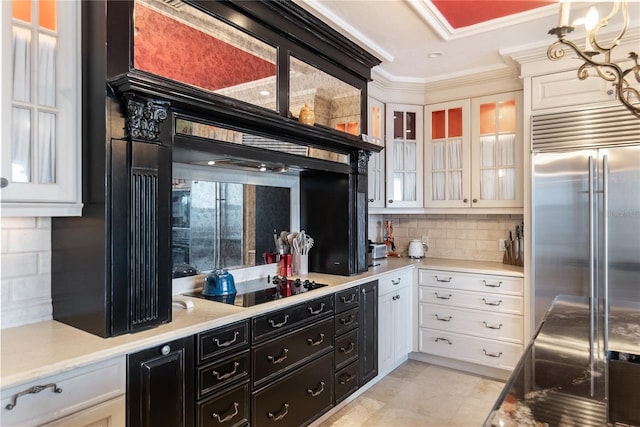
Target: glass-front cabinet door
x,y
448,155
496,150
404,147
376,161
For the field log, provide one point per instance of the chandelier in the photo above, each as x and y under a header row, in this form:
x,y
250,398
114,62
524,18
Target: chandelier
x,y
597,55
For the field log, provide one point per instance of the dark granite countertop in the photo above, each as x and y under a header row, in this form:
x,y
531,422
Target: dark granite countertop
x,y
560,379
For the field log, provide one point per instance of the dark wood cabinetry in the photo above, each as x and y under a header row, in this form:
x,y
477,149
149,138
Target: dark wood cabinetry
x,y
368,331
160,388
347,343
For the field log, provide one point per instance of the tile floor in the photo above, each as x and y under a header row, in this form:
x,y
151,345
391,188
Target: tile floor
x,y
418,394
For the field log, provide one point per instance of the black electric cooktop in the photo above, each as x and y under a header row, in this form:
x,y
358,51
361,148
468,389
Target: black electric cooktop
x,y
275,288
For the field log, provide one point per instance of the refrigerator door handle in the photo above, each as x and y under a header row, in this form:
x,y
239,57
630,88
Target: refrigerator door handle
x,y
592,286
605,250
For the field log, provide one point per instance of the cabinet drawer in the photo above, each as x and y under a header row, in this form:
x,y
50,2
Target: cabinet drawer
x,y
477,300
230,408
346,349
470,349
347,381
214,376
505,327
297,399
346,321
347,299
275,323
472,282
78,389
216,342
291,350
391,282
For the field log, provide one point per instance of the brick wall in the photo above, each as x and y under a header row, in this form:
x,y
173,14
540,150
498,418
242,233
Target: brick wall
x,y
472,237
25,271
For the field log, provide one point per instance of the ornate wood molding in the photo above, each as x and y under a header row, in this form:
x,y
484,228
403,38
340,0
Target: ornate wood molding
x,y
363,161
143,117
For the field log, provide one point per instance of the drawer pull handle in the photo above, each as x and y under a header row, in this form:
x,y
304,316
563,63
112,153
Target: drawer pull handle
x,y
495,304
348,320
221,420
318,311
447,280
283,413
352,298
347,350
226,343
495,285
396,282
439,297
345,378
491,354
317,392
443,319
281,324
443,339
491,326
318,342
280,359
228,374
33,390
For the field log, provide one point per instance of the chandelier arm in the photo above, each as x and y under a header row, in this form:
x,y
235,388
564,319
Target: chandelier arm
x,y
604,22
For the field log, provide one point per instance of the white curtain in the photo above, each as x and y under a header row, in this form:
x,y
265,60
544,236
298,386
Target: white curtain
x,y
487,151
21,64
47,71
46,146
437,165
20,145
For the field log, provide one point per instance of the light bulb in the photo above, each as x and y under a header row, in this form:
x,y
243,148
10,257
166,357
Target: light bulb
x,y
592,18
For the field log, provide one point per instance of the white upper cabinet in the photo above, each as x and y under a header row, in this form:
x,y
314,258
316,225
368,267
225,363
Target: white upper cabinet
x,y
40,169
473,154
404,156
377,160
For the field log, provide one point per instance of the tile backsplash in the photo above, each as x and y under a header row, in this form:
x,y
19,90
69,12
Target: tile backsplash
x,y
472,237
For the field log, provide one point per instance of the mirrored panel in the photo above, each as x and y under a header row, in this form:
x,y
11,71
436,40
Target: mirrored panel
x,y
335,103
226,218
177,41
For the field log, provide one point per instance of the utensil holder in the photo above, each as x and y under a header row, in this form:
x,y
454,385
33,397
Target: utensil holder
x,y
300,264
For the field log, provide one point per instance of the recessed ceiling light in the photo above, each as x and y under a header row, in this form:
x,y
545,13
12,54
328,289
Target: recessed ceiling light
x,y
262,168
211,162
265,93
436,54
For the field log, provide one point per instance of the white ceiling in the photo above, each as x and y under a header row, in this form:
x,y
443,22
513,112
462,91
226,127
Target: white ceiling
x,y
402,33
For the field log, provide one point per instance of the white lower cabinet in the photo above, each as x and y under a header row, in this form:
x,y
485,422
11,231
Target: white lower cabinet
x,y
394,319
93,396
475,318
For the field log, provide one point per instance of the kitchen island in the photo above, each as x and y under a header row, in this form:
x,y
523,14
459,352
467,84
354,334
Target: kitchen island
x,y
562,380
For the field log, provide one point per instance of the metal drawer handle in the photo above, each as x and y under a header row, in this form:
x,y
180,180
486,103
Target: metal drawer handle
x,y
396,282
317,392
492,285
347,321
491,326
396,297
218,417
443,339
492,303
318,311
347,350
283,413
227,343
281,324
352,298
447,280
439,297
345,378
491,354
443,319
33,390
228,374
314,343
279,359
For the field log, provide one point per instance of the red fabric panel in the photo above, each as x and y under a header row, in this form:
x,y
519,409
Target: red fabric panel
x,y
463,13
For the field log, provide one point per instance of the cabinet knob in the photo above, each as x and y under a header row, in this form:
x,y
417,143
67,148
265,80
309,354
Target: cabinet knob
x,y
390,201
4,182
370,200
475,200
465,200
166,349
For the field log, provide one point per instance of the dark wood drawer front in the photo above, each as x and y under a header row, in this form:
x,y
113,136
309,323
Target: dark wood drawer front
x,y
213,377
297,399
346,349
347,381
274,324
228,409
291,350
346,321
347,299
213,343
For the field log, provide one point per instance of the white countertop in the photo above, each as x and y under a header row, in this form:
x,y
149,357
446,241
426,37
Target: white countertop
x,y
34,351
